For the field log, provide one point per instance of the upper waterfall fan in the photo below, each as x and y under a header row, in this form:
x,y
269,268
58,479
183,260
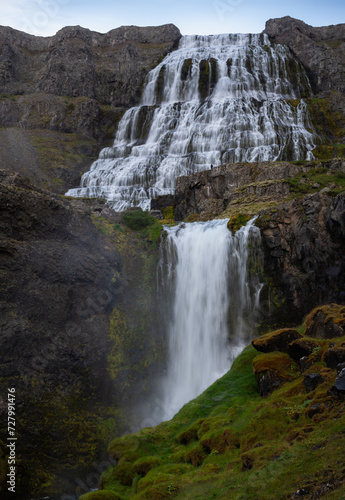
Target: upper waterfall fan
x,y
217,99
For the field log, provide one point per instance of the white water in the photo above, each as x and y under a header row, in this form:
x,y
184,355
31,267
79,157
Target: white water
x,y
214,300
217,99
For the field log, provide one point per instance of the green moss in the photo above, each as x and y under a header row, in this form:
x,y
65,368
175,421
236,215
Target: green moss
x,y
230,433
204,79
315,179
331,312
236,221
159,90
140,221
277,362
169,212
101,495
192,218
186,69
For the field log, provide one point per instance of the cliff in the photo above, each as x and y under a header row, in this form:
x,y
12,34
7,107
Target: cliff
x,y
62,96
79,336
301,216
321,51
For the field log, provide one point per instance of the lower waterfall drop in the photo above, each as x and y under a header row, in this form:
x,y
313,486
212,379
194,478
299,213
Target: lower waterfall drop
x,y
214,295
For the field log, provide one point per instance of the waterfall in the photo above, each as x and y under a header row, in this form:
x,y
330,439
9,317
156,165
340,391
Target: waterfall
x,y
216,99
214,291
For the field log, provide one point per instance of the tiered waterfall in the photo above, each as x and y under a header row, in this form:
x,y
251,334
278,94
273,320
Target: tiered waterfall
x,y
216,99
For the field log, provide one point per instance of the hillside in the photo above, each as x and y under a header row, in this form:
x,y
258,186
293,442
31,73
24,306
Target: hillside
x,y
232,442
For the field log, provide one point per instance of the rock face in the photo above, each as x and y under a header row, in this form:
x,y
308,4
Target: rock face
x,y
321,50
211,192
322,53
67,288
303,242
77,62
66,94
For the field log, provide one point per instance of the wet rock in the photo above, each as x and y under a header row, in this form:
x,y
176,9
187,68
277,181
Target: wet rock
x,y
340,367
162,202
311,381
305,363
305,260
302,492
319,49
276,341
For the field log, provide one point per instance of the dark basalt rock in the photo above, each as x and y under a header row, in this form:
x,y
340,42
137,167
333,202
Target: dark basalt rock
x,y
301,348
334,357
311,381
338,388
320,50
326,322
340,367
303,256
247,462
163,201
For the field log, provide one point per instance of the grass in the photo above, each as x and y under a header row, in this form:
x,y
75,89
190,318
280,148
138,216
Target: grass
x,y
144,223
316,179
231,443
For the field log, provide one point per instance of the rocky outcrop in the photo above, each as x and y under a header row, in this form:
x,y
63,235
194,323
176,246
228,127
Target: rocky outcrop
x,y
77,62
250,185
66,94
303,243
247,188
321,50
326,322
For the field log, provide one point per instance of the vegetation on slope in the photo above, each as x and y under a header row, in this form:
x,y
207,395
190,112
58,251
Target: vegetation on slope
x,y
232,443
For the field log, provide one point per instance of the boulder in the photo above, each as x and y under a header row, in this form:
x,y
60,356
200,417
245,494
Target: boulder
x,y
271,371
302,348
311,381
334,356
276,341
326,322
340,367
338,389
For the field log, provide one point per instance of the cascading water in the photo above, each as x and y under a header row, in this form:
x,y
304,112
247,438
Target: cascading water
x,y
217,99
214,296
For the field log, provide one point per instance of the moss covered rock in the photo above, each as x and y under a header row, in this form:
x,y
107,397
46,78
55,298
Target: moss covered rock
x,y
272,370
278,340
326,322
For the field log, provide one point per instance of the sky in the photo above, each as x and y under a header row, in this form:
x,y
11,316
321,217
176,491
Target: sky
x,y
203,17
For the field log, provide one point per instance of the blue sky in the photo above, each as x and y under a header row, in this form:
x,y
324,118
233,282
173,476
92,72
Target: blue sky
x,y
45,17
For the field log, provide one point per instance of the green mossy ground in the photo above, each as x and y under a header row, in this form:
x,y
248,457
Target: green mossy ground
x,y
231,443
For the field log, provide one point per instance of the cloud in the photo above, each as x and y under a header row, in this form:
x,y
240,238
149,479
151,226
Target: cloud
x,y
38,17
